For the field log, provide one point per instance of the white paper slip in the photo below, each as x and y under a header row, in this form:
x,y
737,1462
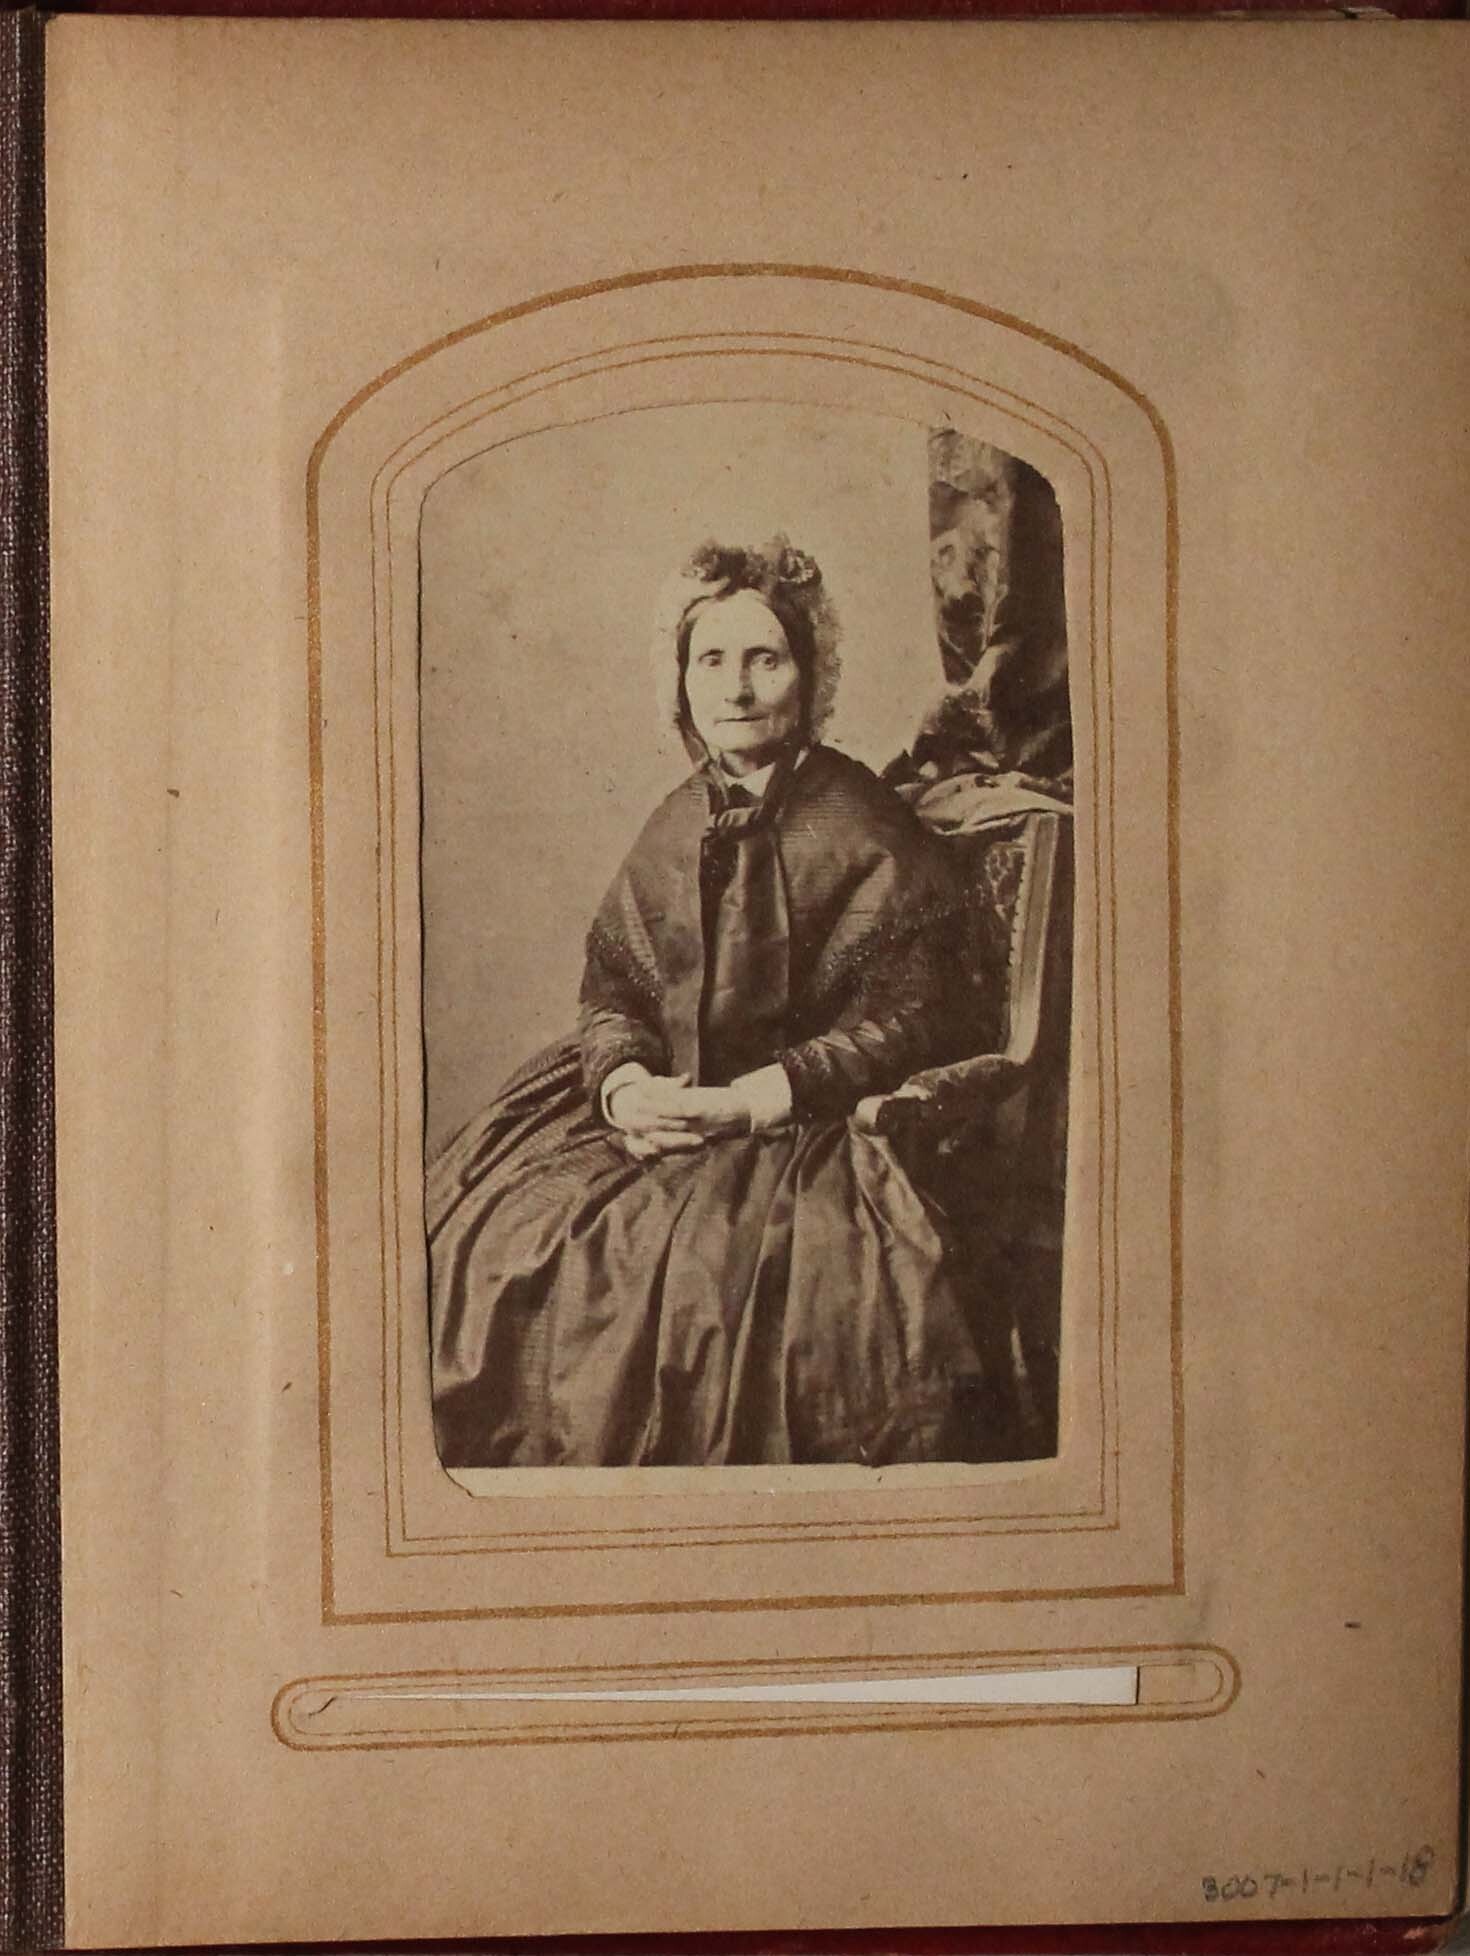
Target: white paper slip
x,y
1112,1684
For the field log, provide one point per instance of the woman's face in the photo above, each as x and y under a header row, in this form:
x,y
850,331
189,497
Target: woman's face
x,y
741,682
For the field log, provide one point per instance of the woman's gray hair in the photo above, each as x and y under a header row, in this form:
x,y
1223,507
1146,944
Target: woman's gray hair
x,y
789,581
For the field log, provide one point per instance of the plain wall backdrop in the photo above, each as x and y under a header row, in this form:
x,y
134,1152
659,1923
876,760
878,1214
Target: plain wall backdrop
x,y
542,561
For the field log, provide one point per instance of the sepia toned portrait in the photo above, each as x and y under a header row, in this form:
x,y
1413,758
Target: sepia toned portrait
x,y
746,764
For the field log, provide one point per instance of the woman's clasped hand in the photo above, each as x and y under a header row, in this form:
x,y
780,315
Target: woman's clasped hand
x,y
666,1114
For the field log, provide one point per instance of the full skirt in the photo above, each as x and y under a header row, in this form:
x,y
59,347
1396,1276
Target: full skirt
x,y
779,1297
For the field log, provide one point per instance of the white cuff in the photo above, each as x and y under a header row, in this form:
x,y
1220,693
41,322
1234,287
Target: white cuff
x,y
619,1077
767,1095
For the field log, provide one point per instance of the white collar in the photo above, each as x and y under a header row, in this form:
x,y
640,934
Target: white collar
x,y
758,780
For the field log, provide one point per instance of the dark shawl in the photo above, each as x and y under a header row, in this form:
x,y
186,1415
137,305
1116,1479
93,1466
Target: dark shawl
x,y
818,935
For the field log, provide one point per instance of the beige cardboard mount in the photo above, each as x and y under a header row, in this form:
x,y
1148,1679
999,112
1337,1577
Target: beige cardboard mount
x,y
1203,279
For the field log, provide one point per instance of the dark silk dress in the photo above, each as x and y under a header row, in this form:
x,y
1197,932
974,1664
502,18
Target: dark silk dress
x,y
786,1296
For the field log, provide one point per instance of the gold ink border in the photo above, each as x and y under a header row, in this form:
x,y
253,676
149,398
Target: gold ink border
x,y
625,282
1043,420
613,1723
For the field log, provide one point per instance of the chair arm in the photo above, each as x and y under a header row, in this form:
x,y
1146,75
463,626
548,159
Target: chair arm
x,y
944,1098
941,1097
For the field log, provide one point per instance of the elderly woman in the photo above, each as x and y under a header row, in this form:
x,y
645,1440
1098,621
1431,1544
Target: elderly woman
x,y
664,1244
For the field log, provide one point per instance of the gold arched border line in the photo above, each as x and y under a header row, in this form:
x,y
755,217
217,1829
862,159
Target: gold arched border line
x,y
668,275
695,347
597,361
775,343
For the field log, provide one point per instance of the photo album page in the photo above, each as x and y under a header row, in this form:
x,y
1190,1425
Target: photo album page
x,y
760,828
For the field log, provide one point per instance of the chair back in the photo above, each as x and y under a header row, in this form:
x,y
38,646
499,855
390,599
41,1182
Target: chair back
x,y
1007,1174
1016,934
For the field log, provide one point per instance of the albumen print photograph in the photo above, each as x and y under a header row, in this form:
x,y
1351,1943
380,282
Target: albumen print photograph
x,y
746,762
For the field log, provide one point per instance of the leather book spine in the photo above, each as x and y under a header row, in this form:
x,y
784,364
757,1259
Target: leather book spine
x,y
30,1536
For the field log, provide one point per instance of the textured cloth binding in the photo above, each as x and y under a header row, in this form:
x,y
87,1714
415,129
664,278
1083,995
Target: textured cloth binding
x,y
30,1546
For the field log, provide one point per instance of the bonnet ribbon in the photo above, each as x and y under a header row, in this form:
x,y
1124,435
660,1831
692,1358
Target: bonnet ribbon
x,y
746,994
